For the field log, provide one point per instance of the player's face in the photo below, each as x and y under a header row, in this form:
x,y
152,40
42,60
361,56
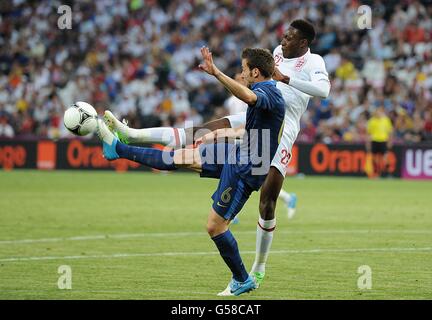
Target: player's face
x,y
247,73
292,43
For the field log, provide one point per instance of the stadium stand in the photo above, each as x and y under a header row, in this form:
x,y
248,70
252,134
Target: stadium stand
x,y
139,58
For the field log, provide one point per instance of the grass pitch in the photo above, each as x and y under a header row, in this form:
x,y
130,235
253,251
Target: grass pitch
x,y
142,236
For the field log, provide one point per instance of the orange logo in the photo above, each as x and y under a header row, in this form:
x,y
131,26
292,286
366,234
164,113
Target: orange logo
x,y
12,156
79,155
323,159
46,155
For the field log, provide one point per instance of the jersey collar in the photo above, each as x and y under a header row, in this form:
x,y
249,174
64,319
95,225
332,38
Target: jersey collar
x,y
254,85
301,57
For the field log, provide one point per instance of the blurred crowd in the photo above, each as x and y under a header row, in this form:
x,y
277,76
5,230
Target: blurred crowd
x,y
139,59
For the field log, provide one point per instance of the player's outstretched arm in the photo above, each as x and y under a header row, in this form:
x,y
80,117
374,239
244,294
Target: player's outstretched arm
x,y
240,91
317,88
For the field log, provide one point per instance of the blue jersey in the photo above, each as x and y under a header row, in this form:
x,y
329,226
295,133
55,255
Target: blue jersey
x,y
245,168
263,131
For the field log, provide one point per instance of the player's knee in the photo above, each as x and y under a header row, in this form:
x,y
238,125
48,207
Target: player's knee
x,y
213,229
267,209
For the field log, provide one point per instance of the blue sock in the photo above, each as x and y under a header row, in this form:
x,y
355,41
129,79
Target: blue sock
x,y
154,158
228,249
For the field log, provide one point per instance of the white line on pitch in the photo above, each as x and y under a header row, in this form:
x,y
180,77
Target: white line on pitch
x,y
209,253
189,234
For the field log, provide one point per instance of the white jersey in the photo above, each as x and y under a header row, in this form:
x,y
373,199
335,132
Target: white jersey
x,y
309,67
234,105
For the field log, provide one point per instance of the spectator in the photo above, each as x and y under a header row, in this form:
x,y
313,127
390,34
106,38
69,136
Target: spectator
x,y
6,130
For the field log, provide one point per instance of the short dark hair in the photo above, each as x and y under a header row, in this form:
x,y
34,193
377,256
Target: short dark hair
x,y
306,29
261,59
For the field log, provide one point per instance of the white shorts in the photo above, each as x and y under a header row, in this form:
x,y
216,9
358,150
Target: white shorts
x,y
282,156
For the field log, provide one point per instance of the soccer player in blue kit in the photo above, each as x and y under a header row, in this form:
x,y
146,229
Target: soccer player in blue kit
x,y
243,168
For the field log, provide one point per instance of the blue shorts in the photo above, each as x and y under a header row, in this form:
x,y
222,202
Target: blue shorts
x,y
232,192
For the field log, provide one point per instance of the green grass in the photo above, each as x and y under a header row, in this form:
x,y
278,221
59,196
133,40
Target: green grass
x,y
157,213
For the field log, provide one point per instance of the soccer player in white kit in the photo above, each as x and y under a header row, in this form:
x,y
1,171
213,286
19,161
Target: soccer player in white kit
x,y
300,75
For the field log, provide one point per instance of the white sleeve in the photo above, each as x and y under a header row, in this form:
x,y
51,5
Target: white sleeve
x,y
237,120
319,85
316,88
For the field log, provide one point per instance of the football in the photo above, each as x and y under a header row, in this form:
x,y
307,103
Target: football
x,y
80,118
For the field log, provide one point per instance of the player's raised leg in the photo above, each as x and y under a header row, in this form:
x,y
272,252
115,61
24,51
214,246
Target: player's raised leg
x,y
171,137
154,158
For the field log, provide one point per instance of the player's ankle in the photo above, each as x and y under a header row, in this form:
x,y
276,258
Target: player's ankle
x,y
258,267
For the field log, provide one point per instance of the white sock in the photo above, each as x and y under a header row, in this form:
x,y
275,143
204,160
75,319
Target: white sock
x,y
285,196
172,137
264,240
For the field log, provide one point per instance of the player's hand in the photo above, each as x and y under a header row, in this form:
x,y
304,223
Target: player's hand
x,y
209,138
213,136
207,65
279,76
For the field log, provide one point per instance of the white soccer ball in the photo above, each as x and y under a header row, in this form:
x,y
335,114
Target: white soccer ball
x,y
80,118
